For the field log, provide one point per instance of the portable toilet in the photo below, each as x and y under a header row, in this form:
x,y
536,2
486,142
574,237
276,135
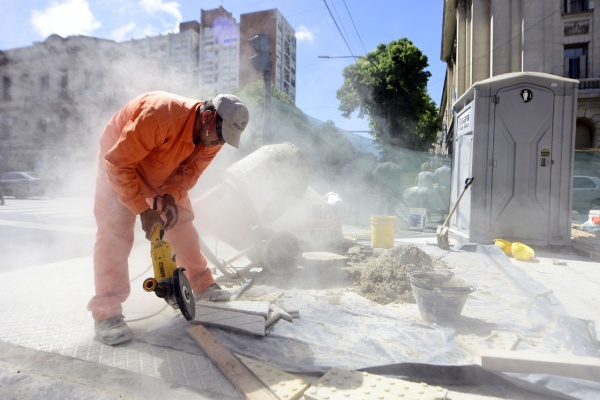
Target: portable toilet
x,y
515,135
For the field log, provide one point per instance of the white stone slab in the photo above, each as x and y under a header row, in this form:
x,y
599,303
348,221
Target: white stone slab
x,y
248,307
234,320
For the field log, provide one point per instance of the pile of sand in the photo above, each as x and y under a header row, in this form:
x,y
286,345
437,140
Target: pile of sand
x,y
384,279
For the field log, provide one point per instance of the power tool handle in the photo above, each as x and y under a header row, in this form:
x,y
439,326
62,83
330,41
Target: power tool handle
x,y
159,231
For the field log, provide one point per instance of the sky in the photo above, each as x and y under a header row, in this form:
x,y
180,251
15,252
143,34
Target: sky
x,y
336,28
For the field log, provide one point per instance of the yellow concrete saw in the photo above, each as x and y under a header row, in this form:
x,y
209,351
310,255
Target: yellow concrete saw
x,y
169,281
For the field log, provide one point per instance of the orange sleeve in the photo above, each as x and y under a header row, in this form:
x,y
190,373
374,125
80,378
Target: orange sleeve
x,y
137,139
186,176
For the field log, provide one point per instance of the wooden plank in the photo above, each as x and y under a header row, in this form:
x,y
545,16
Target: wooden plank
x,y
591,252
243,379
535,363
283,385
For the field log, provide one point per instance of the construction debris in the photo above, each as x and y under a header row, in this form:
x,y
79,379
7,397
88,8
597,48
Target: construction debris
x,y
586,243
385,280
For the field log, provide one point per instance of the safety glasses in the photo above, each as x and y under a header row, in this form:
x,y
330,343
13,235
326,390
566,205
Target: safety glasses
x,y
218,124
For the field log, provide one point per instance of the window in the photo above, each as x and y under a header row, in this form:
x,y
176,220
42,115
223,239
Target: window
x,y
576,6
64,80
44,82
581,182
6,84
576,62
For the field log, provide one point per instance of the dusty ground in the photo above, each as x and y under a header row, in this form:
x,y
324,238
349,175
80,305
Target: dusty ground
x,y
377,274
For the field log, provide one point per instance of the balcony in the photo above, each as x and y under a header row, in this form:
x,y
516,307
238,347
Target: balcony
x,y
589,87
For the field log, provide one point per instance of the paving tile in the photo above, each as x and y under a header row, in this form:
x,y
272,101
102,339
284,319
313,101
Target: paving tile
x,y
263,293
341,384
235,320
285,386
244,306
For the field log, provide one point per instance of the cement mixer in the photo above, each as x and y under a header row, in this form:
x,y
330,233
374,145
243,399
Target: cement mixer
x,y
256,190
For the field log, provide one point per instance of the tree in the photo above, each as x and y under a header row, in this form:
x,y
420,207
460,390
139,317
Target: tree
x,y
389,85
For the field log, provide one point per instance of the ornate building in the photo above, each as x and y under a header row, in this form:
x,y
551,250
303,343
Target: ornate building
x,y
486,38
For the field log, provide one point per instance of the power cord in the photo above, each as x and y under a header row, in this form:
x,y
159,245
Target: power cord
x,y
150,315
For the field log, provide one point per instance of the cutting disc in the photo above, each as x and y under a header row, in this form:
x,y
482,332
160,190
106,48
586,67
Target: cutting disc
x,y
183,294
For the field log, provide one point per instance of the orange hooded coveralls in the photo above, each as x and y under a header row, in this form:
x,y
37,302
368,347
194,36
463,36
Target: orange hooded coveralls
x,y
146,150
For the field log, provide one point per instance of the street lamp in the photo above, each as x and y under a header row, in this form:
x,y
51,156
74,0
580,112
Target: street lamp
x,y
355,57
381,77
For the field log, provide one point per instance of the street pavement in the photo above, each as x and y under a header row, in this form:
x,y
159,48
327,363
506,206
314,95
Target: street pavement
x,y
48,348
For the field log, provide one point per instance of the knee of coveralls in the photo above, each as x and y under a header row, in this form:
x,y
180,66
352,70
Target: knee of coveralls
x,y
114,240
186,243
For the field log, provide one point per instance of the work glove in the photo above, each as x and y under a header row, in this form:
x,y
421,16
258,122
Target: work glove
x,y
150,219
170,211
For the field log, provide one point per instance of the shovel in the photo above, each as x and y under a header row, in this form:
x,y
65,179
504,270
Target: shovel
x,y
442,231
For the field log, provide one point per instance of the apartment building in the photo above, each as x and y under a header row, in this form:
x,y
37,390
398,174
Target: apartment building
x,y
486,38
179,51
219,52
283,49
213,54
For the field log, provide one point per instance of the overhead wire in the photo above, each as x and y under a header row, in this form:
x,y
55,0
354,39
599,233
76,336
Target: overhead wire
x,y
353,51
354,25
339,30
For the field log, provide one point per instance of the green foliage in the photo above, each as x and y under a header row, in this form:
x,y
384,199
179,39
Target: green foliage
x,y
389,86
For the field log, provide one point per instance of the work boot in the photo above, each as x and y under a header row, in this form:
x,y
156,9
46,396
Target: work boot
x,y
212,293
113,330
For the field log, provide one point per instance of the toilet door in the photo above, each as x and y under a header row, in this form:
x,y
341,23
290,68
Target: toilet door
x,y
521,163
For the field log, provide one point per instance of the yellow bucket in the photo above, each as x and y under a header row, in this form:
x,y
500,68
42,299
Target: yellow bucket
x,y
522,252
504,245
383,230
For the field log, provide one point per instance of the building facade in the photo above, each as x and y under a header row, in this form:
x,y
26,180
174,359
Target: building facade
x,y
214,54
283,49
486,38
57,95
219,51
179,51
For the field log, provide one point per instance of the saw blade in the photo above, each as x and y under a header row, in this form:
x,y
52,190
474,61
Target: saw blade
x,y
183,294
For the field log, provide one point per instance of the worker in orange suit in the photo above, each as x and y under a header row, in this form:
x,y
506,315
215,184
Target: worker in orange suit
x,y
158,144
